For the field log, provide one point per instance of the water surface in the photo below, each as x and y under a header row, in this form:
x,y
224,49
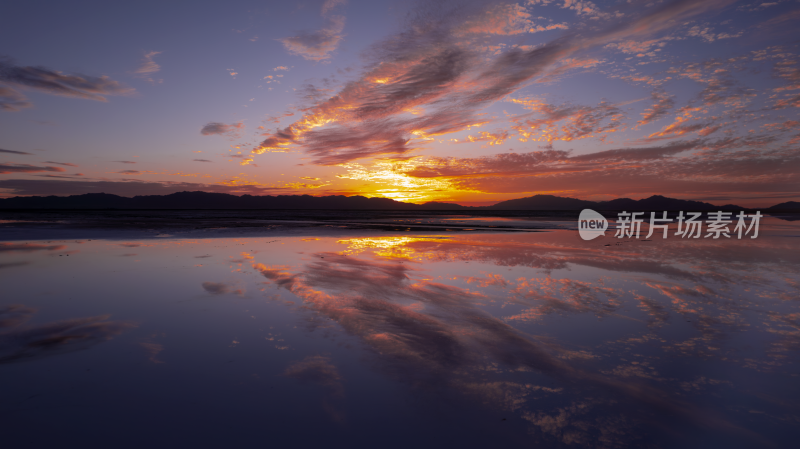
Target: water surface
x,y
363,338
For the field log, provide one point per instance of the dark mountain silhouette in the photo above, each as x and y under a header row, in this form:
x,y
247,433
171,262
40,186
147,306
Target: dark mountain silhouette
x,y
208,201
203,200
543,202
655,203
787,206
658,202
435,205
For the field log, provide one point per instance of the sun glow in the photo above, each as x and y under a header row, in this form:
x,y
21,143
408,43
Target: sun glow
x,y
399,185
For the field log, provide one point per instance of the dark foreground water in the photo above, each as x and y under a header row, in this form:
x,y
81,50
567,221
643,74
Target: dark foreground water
x,y
335,337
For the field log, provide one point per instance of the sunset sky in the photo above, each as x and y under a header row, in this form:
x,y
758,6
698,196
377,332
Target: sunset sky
x,y
472,102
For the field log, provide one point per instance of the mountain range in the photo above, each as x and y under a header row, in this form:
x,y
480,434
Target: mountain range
x,y
208,201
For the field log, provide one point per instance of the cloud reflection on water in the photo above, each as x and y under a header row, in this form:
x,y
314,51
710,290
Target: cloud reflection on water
x,y
34,342
221,288
635,344
433,334
319,370
28,247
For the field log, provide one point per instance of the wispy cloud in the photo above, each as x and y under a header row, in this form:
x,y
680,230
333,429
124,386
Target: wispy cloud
x,y
61,163
504,19
698,167
13,152
425,68
317,45
11,100
132,188
216,128
662,106
329,5
52,82
149,67
25,168
567,122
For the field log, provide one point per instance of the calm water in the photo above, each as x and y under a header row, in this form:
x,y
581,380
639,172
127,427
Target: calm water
x,y
401,339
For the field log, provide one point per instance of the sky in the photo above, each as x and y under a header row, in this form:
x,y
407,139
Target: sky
x,y
472,102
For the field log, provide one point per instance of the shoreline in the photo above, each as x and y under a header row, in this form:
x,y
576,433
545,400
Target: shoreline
x,y
49,225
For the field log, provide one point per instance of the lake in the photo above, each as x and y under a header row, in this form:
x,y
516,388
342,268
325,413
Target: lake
x,y
415,335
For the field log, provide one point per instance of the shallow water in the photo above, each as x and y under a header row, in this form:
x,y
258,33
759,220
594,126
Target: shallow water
x,y
365,338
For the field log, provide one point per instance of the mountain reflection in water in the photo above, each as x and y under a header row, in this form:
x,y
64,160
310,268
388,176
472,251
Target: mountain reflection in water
x,y
472,339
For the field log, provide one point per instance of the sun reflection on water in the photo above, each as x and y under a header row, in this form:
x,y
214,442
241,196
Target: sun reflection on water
x,y
394,247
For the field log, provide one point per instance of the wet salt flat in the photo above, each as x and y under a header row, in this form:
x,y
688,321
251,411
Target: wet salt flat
x,y
368,338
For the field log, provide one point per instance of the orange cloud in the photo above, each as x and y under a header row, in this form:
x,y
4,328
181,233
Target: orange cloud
x,y
423,70
725,166
503,19
663,104
567,122
485,136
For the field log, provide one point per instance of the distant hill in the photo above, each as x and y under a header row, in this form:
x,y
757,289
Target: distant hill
x,y
206,200
203,200
543,202
658,202
435,205
787,206
655,202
